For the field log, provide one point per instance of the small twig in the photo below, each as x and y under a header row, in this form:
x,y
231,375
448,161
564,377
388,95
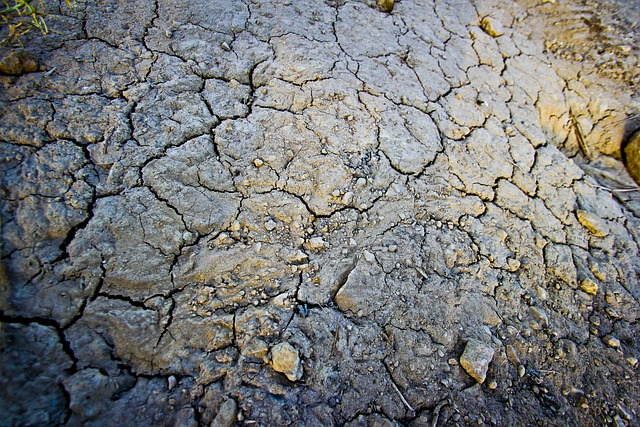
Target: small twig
x,y
619,190
395,387
436,411
607,175
422,273
335,337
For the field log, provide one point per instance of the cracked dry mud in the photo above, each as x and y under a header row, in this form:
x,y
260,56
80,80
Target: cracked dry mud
x,y
306,213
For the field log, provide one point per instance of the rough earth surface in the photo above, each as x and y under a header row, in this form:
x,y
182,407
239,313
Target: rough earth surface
x,y
302,212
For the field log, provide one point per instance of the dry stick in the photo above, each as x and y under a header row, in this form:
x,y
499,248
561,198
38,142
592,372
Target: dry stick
x,y
579,135
608,175
620,190
395,387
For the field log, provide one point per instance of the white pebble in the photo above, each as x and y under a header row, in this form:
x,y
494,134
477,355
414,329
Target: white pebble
x,y
369,256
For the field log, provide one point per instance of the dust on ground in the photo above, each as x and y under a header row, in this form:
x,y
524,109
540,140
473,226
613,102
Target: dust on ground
x,y
319,213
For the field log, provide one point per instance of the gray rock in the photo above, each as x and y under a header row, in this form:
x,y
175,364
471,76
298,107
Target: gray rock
x,y
540,315
476,359
185,418
227,414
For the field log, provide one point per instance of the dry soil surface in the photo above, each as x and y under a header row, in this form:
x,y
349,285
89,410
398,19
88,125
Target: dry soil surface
x,y
317,213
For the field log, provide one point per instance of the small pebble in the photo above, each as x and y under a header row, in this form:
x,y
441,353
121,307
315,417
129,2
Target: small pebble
x,y
225,46
521,371
258,162
385,5
512,355
542,293
611,341
270,225
316,243
610,297
171,382
476,358
347,198
540,315
612,312
589,286
368,256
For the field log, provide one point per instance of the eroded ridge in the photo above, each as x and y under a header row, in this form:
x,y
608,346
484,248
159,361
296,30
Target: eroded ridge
x,y
302,212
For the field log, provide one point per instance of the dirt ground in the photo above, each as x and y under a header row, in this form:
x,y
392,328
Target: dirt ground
x,y
318,213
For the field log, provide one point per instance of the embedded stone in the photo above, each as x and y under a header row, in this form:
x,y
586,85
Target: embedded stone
x,y
476,359
632,155
286,360
589,286
386,5
227,414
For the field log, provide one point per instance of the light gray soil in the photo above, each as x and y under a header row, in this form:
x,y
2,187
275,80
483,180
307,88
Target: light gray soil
x,y
311,213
